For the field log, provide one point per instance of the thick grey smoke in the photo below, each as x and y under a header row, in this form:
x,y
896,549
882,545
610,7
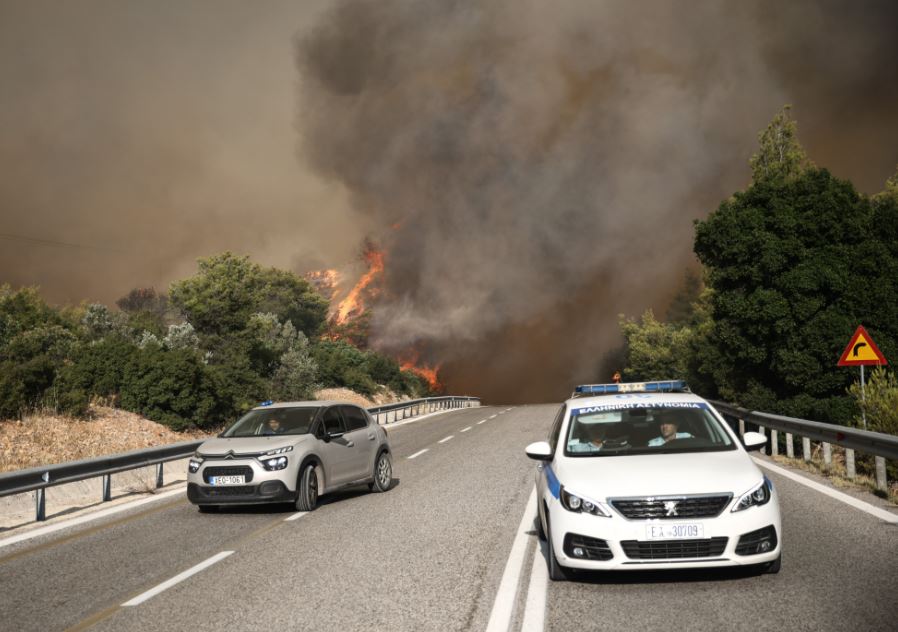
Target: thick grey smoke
x,y
542,163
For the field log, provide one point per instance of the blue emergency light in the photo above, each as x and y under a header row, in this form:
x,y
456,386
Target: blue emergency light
x,y
666,386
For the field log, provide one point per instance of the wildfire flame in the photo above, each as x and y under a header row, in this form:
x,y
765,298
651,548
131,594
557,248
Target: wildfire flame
x,y
354,304
429,373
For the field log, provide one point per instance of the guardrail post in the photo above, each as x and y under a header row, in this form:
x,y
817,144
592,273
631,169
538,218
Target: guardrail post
x,y
806,448
881,482
827,455
741,427
763,431
159,468
107,487
790,446
849,463
40,504
774,443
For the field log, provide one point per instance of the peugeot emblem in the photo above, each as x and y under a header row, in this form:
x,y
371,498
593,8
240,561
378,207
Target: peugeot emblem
x,y
670,506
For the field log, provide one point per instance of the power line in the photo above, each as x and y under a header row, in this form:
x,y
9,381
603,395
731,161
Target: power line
x,y
51,242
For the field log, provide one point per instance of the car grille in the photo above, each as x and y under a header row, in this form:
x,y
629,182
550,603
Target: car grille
x,y
593,548
229,490
749,543
234,470
686,507
673,549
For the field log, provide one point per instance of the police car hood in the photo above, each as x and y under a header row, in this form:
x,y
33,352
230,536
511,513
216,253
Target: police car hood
x,y
248,445
602,477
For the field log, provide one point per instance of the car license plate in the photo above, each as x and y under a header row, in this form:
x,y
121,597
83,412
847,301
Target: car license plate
x,y
227,480
674,531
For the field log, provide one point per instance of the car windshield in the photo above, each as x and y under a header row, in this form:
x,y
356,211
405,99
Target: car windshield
x,y
273,421
620,429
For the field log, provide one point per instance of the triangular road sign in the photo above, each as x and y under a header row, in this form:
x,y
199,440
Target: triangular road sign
x,y
861,350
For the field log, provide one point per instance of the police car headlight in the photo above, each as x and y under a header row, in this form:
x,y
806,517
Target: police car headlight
x,y
755,497
272,465
194,465
576,504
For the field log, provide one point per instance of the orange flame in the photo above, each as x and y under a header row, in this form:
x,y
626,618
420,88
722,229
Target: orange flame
x,y
429,373
353,304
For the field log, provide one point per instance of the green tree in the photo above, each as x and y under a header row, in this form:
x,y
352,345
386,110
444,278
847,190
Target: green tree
x,y
880,401
228,289
780,155
655,350
795,263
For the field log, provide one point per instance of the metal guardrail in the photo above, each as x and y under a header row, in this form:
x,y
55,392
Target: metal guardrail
x,y
40,478
882,446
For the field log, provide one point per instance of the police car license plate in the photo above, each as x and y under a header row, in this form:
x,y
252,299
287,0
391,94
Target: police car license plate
x,y
674,531
227,480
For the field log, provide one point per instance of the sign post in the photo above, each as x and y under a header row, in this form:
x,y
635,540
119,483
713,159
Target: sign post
x,y
861,351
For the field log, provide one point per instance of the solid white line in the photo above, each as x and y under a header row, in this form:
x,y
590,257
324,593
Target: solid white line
x,y
535,608
296,516
417,454
466,429
482,421
34,533
882,514
503,606
446,439
152,592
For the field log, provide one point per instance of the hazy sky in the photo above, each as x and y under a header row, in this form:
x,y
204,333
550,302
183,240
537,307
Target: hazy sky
x,y
532,168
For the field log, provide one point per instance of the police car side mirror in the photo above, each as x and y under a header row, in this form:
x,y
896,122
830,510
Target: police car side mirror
x,y
539,451
753,441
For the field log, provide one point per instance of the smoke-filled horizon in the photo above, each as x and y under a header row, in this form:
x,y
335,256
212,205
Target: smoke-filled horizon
x,y
532,169
543,162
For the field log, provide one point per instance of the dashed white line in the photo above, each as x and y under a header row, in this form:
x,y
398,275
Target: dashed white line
x,y
492,416
503,606
139,599
296,516
482,421
466,429
417,454
444,440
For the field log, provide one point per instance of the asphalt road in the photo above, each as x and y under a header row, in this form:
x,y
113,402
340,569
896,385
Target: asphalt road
x,y
429,555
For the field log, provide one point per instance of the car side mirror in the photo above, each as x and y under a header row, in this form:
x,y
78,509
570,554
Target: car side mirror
x,y
539,451
753,441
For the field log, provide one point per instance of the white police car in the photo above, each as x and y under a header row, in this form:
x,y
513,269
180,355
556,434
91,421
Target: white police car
x,y
649,476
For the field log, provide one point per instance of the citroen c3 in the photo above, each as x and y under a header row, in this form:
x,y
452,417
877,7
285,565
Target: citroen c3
x,y
290,452
650,476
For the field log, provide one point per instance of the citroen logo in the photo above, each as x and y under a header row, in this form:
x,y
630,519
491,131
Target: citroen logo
x,y
670,506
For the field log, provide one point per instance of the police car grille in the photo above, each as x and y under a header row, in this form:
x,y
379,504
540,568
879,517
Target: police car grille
x,y
592,548
673,549
686,507
235,470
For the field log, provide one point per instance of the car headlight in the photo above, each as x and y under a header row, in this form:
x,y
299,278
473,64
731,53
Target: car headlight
x,y
277,463
578,504
194,465
755,497
289,448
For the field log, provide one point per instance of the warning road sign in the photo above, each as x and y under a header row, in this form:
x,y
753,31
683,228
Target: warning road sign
x,y
861,350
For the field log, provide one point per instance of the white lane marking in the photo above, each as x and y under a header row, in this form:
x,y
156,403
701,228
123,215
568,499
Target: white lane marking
x,y
482,421
152,592
466,429
296,516
492,416
503,606
446,439
882,514
535,609
418,453
34,533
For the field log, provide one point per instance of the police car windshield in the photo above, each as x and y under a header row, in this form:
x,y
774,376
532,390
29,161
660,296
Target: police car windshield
x,y
273,421
619,429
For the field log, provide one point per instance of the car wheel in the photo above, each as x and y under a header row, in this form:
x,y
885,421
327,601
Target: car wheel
x,y
307,489
540,532
557,572
383,473
772,568
208,508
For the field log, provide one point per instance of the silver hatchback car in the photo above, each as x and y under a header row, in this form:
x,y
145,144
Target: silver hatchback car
x,y
290,452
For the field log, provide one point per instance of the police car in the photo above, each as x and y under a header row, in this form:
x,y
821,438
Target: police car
x,y
650,476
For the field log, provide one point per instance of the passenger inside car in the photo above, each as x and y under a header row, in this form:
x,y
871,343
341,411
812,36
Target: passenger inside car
x,y
668,428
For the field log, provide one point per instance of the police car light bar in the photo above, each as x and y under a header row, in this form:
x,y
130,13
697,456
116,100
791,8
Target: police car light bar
x,y
668,386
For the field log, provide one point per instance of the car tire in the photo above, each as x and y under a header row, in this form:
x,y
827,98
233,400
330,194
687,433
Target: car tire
x,y
557,572
383,473
772,568
540,532
208,508
307,489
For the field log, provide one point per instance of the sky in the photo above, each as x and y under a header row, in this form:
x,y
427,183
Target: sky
x,y
532,170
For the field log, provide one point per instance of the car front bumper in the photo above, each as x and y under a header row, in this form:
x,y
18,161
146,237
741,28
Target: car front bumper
x,y
260,486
